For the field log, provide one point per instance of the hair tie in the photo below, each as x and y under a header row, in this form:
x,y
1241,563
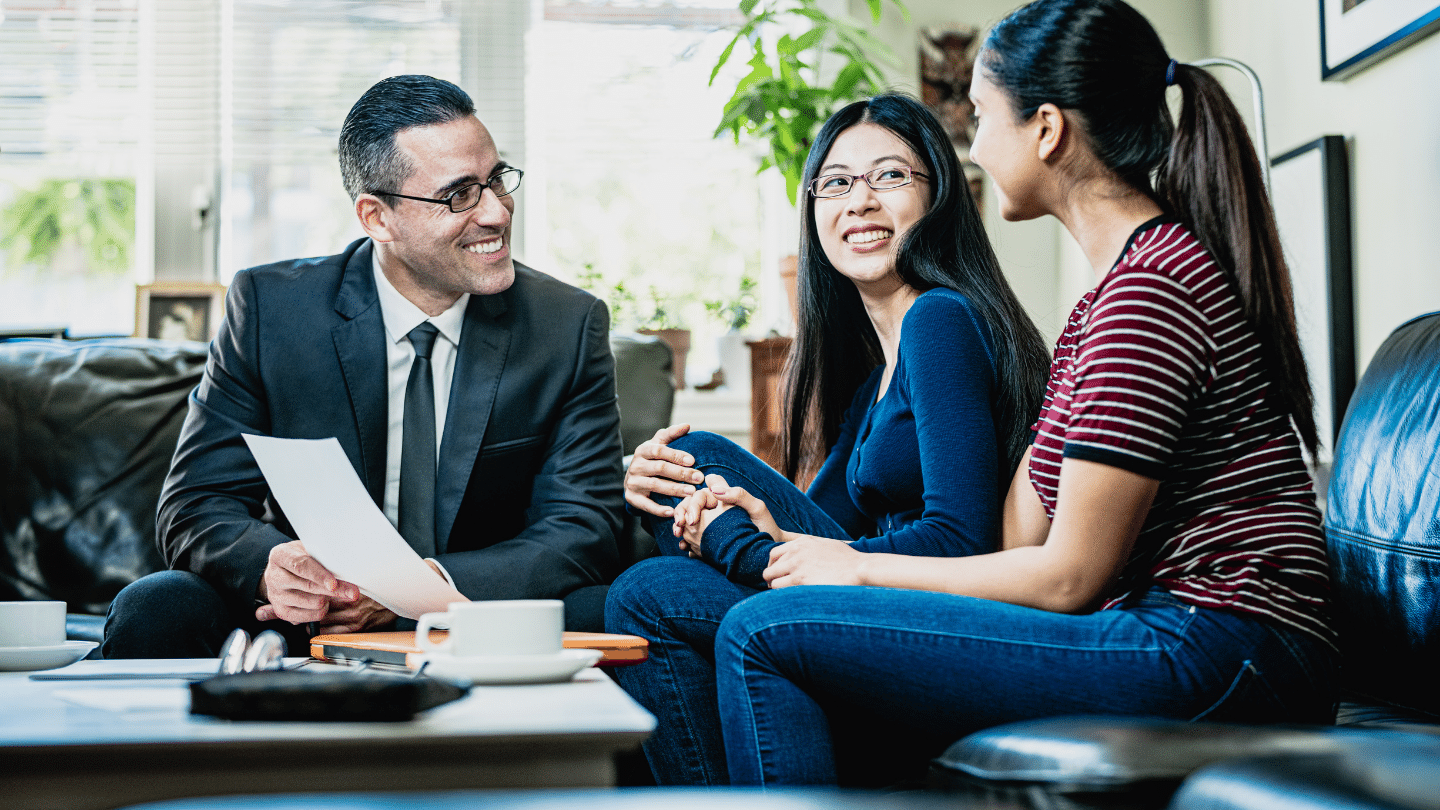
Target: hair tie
x,y
1170,73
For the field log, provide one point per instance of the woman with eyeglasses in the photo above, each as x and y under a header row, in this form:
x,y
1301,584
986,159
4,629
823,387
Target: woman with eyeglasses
x,y
913,380
1161,548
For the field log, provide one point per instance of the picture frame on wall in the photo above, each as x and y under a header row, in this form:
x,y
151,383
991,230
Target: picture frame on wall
x,y
1355,34
1310,188
175,310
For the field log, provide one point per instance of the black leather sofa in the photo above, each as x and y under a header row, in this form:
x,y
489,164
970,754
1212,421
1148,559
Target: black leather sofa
x,y
1382,528
87,429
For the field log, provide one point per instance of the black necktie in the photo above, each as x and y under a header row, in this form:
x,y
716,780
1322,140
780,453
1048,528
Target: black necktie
x,y
417,447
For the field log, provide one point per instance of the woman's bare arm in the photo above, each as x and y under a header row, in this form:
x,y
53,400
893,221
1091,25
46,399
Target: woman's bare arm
x,y
1023,518
1100,511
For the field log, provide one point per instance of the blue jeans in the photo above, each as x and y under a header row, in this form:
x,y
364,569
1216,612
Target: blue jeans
x,y
732,544
796,664
677,603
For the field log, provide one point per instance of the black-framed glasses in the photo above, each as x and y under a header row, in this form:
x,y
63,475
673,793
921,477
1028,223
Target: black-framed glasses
x,y
884,178
503,183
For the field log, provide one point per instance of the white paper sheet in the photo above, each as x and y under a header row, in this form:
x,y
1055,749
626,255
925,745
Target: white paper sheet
x,y
342,528
130,699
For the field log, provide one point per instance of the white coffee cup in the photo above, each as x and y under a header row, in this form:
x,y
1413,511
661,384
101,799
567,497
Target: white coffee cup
x,y
32,624
503,627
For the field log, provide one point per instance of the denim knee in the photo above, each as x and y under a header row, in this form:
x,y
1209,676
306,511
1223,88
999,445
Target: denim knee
x,y
746,619
653,591
707,447
632,601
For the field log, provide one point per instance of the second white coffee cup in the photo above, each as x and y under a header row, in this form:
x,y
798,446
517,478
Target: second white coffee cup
x,y
503,627
32,624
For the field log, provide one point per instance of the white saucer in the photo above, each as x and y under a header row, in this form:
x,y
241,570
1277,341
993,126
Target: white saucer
x,y
28,659
497,669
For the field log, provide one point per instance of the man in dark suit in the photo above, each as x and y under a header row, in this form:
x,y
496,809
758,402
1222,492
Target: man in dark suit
x,y
474,397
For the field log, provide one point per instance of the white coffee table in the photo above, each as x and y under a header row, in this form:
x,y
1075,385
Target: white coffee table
x,y
93,744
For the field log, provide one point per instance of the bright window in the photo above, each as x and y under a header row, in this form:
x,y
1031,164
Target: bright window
x,y
638,194
69,131
297,67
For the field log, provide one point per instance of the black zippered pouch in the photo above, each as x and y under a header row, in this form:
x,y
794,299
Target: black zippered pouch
x,y
320,696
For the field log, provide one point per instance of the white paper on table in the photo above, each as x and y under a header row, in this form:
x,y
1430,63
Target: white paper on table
x,y
333,516
129,699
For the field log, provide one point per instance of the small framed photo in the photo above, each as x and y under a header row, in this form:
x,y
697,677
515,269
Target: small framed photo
x,y
177,310
1355,34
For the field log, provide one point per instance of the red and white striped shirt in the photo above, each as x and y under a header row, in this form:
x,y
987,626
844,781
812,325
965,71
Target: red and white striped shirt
x,y
1158,372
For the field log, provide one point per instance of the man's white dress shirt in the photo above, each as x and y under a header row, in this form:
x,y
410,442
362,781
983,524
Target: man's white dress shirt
x,y
401,316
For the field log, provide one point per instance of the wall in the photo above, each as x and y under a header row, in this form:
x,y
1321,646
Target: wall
x,y
1390,116
1041,260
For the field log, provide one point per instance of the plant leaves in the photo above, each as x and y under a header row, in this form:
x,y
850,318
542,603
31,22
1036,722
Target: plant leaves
x,y
809,39
847,80
724,57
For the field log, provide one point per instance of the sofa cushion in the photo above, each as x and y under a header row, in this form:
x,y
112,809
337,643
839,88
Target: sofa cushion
x,y
87,429
1084,753
1393,776
647,397
642,380
1382,524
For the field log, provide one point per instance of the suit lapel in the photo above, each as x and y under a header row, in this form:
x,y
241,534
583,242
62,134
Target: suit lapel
x,y
479,361
360,348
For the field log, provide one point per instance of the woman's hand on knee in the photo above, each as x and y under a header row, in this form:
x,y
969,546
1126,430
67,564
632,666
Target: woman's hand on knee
x,y
810,560
657,468
754,507
690,519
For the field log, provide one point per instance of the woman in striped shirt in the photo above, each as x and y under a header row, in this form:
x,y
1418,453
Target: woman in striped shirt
x,y
1162,552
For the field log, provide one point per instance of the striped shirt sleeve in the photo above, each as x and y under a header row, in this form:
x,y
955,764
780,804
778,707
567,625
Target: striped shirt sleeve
x,y
1142,358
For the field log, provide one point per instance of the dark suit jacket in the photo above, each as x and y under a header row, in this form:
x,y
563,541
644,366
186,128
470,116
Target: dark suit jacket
x,y
528,490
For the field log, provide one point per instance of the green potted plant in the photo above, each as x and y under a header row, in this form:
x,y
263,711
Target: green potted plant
x,y
627,312
95,217
621,301
735,314
788,94
662,323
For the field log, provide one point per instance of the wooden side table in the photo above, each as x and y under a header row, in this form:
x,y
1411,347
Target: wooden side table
x,y
767,364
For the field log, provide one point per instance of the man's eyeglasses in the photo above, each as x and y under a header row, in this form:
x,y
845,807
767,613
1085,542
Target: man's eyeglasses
x,y
881,179
503,182
240,654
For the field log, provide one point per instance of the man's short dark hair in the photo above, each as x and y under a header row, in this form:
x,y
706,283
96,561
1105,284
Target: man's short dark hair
x,y
369,159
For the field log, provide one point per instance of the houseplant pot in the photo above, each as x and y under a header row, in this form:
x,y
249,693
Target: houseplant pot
x,y
679,342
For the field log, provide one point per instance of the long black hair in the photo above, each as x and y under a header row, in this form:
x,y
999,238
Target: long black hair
x,y
836,347
1103,63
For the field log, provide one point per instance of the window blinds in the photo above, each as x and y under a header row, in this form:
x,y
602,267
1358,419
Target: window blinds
x,y
295,68
69,86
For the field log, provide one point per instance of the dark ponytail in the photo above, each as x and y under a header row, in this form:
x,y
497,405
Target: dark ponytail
x,y
1103,64
1212,180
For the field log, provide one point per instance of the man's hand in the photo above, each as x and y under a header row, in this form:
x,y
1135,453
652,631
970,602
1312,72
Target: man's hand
x,y
807,560
356,616
298,588
364,613
657,468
